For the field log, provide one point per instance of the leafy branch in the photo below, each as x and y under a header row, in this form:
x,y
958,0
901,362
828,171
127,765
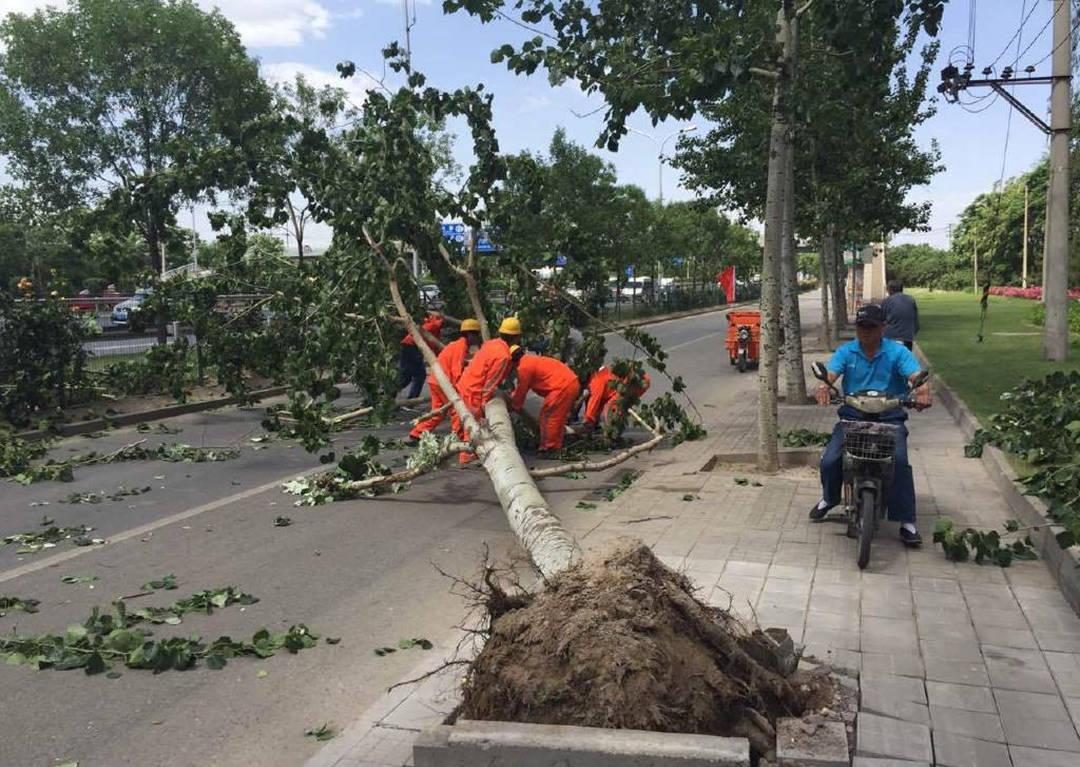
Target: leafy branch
x,y
983,546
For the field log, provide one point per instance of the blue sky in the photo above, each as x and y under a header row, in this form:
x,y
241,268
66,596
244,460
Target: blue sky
x,y
312,36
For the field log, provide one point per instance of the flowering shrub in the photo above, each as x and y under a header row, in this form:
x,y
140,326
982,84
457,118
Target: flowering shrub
x,y
1032,293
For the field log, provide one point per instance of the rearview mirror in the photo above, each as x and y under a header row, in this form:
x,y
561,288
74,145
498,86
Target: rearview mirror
x,y
821,373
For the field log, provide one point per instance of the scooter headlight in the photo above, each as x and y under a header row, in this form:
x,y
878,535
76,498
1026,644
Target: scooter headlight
x,y
744,334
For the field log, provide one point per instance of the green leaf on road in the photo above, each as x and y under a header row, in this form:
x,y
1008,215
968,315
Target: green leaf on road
x,y
323,732
165,582
282,521
585,506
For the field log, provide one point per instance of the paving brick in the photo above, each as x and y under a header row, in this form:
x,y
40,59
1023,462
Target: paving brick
x,y
1037,719
878,701
973,724
1038,757
1065,668
957,671
961,696
1058,641
1021,638
791,572
887,663
1034,705
1014,669
800,745
869,761
951,750
948,649
881,736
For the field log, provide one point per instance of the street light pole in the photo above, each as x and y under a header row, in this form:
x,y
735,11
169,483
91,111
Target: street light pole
x,y
660,152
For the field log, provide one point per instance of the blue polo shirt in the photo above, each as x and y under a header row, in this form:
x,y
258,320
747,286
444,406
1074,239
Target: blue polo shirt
x,y
888,371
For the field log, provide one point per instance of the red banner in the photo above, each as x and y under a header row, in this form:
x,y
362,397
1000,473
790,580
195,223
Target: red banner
x,y
726,281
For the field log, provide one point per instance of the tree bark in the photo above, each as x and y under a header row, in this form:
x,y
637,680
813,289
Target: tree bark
x,y
824,257
794,374
839,291
768,370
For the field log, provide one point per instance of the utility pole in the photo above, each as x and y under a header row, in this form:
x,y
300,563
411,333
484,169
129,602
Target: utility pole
x,y
1056,243
1056,339
1023,271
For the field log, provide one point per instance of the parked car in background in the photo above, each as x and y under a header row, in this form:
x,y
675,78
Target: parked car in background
x,y
121,313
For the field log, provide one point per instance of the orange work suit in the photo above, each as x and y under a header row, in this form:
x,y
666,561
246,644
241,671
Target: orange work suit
x,y
489,367
604,397
452,360
558,385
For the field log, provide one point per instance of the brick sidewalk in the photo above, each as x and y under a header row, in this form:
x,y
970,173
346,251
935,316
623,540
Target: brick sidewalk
x,y
960,665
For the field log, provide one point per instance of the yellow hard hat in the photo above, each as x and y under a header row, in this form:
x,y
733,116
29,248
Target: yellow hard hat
x,y
511,326
470,325
516,350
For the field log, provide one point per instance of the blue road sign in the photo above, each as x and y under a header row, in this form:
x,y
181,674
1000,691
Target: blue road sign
x,y
629,271
679,261
454,232
560,260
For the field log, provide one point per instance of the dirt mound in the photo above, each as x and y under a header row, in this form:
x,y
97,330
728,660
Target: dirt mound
x,y
620,641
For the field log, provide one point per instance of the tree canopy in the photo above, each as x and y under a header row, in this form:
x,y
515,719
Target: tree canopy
x,y
127,106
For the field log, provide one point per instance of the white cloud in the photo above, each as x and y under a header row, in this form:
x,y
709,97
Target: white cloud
x,y
285,72
274,23
261,23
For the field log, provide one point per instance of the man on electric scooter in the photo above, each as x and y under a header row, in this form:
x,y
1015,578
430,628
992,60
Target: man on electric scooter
x,y
873,362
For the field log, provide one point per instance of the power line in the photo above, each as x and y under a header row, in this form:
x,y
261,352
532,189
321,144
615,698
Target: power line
x,y
1041,32
1019,31
1076,25
972,13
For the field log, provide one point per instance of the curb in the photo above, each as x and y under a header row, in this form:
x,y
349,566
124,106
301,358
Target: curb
x,y
129,419
678,315
1064,564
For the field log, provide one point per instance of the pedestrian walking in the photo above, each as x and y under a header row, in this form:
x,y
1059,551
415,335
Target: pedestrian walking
x,y
411,364
558,385
901,315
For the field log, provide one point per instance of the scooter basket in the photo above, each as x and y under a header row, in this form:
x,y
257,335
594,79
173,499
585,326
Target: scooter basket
x,y
868,441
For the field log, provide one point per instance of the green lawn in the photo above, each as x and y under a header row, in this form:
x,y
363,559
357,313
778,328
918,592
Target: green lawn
x,y
1010,352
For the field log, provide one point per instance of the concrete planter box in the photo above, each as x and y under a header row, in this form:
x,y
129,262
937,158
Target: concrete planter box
x,y
510,744
1064,564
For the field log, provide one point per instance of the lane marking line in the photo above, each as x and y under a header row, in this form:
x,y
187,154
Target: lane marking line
x,y
135,532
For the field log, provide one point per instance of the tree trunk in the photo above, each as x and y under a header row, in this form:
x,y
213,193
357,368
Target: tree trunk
x,y
768,371
824,257
794,374
839,291
153,243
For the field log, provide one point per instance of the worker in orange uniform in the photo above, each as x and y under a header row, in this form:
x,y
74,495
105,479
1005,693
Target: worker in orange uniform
x,y
452,359
490,366
558,385
411,364
604,396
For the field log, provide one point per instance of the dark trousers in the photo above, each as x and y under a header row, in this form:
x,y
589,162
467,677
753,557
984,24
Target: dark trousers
x,y
901,493
411,371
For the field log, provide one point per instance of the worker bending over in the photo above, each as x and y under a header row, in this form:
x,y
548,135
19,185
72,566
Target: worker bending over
x,y
558,385
604,396
490,366
452,359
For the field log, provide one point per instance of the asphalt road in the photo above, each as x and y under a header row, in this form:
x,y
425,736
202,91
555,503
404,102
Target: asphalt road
x,y
364,571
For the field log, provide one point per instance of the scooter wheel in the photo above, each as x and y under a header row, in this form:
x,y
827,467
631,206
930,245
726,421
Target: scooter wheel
x,y
852,530
742,364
